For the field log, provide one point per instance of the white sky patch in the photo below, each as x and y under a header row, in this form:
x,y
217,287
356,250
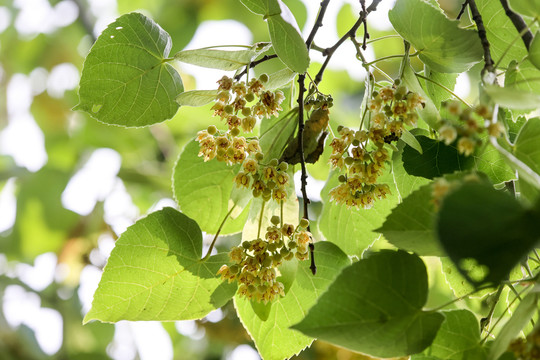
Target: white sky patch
x,y
123,346
41,275
38,80
5,18
313,188
8,206
93,182
152,341
19,94
190,329
23,307
120,211
64,13
24,141
37,16
89,280
379,19
463,85
163,203
63,77
244,352
105,13
215,316
212,33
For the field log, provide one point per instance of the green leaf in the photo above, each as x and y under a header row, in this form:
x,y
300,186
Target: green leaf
x,y
429,113
196,97
276,132
273,337
262,7
375,307
458,283
437,159
287,41
534,51
491,162
125,79
501,33
203,191
435,92
527,308
279,79
512,98
353,230
410,140
526,7
410,224
443,45
457,339
526,146
221,59
155,273
488,228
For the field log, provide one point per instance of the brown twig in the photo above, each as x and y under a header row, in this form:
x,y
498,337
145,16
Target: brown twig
x,y
519,24
462,10
477,18
328,52
253,64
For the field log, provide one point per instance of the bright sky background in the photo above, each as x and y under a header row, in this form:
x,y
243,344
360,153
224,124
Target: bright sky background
x,y
24,141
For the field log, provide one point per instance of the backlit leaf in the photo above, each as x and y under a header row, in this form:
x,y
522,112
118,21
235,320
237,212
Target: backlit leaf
x,y
375,307
126,80
155,273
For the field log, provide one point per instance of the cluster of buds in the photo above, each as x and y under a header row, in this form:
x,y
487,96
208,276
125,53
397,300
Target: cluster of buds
x,y
265,180
255,262
527,349
226,146
234,97
467,125
361,155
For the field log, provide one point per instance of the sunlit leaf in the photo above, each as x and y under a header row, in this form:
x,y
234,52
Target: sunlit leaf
x,y
262,7
155,273
126,80
513,98
287,41
534,51
457,339
443,45
196,97
526,7
221,59
203,191
375,307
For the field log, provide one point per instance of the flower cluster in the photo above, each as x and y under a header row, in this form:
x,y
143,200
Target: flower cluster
x,y
466,125
361,155
527,349
265,180
232,106
255,262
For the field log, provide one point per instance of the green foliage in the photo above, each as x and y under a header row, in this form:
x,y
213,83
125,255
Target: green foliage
x,y
410,170
155,272
436,160
442,44
126,80
487,227
375,307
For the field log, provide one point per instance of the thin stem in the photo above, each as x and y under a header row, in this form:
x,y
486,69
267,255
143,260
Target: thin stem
x,y
318,23
260,220
500,318
217,234
253,64
460,298
485,321
390,57
366,33
443,87
350,34
520,25
462,10
477,17
383,38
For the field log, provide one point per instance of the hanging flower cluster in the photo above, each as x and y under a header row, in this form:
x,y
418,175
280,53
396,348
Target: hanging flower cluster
x,y
466,125
361,155
256,261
